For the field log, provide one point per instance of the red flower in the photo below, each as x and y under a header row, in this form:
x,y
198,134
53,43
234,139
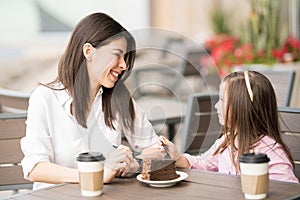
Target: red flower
x,y
226,51
278,54
292,43
238,52
249,57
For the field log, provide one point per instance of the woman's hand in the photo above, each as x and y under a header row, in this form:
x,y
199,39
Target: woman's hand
x,y
171,148
120,158
109,174
122,162
132,168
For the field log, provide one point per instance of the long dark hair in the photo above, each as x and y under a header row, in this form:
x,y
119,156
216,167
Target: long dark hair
x,y
97,29
245,121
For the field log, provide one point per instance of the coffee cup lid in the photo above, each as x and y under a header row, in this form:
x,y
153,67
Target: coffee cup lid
x,y
254,158
90,157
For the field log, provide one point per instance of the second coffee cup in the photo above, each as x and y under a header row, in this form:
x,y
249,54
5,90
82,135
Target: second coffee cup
x,y
91,168
254,175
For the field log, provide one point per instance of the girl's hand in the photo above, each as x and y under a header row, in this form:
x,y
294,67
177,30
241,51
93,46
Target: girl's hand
x,y
171,148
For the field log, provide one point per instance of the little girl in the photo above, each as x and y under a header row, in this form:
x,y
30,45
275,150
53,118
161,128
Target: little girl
x,y
247,108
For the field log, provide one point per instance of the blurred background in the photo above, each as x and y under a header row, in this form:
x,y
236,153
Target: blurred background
x,y
34,33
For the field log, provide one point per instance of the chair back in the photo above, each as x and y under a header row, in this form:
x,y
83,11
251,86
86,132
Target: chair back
x,y
13,101
153,80
12,129
290,128
282,81
201,125
195,63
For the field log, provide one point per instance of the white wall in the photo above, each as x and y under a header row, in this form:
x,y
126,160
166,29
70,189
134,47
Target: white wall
x,y
20,22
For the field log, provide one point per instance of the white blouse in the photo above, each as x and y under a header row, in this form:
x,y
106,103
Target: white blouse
x,y
53,134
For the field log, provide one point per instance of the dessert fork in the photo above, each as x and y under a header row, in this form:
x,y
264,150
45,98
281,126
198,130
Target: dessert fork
x,y
167,155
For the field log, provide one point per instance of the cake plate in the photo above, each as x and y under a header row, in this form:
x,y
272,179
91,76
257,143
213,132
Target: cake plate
x,y
168,183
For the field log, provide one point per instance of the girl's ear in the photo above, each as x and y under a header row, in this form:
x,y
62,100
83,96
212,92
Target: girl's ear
x,y
88,50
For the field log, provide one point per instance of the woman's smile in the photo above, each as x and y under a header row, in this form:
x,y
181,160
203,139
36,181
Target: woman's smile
x,y
114,75
107,63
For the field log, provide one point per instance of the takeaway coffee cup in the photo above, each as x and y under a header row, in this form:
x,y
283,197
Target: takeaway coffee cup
x,y
254,175
91,168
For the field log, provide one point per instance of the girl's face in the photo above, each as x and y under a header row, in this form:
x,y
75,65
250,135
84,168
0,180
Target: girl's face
x,y
221,104
107,63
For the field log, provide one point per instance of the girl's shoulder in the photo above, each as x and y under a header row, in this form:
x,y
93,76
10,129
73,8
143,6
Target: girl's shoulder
x,y
267,140
267,143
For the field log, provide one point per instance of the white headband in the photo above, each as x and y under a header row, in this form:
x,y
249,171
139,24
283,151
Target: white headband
x,y
246,74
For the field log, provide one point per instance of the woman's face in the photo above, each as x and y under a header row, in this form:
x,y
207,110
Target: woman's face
x,y
221,104
107,63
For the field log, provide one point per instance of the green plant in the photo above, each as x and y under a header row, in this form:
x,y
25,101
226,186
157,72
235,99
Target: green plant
x,y
263,41
219,22
263,29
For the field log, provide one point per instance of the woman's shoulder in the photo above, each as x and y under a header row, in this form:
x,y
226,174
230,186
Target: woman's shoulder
x,y
41,90
46,92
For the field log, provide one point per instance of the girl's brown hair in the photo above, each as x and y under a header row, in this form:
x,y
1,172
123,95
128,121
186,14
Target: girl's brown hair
x,y
98,29
246,121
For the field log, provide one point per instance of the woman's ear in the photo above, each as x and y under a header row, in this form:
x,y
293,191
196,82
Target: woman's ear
x,y
88,50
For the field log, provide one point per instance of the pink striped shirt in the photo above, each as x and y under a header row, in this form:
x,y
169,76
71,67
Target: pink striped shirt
x,y
280,168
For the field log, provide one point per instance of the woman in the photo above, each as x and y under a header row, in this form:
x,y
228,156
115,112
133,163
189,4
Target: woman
x,y
247,108
87,108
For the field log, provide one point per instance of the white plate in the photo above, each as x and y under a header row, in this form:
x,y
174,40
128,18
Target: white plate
x,y
168,183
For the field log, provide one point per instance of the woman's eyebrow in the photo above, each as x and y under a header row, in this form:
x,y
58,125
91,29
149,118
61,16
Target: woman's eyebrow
x,y
120,50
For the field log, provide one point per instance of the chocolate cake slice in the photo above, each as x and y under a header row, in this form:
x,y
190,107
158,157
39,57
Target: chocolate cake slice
x,y
159,169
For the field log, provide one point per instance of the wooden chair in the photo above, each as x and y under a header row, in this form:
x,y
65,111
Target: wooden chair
x,y
195,74
201,125
177,79
290,127
12,129
196,63
282,82
13,101
154,80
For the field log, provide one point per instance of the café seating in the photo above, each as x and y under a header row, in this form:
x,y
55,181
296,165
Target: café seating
x,y
154,80
12,129
290,127
12,101
282,81
201,125
196,64
184,75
